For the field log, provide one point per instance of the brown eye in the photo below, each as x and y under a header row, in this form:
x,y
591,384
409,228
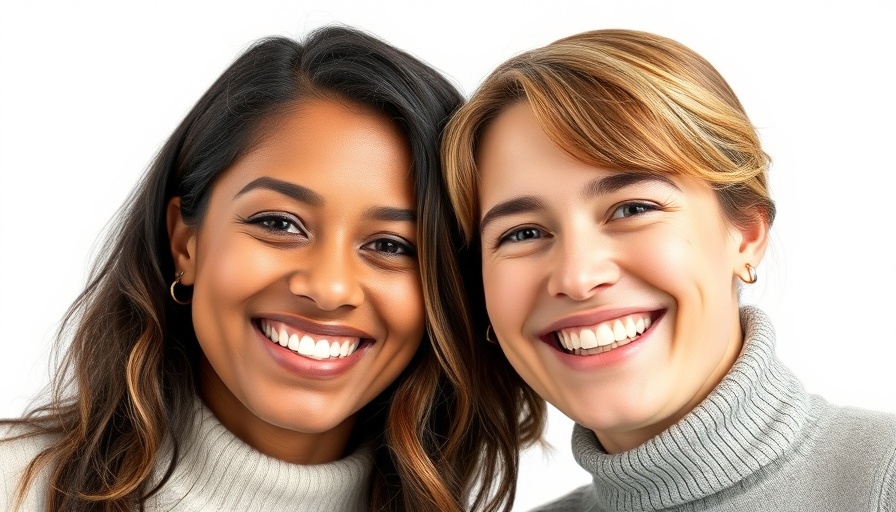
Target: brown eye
x,y
278,223
391,247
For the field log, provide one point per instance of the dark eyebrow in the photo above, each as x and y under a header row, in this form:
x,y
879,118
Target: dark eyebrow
x,y
610,184
517,205
297,192
388,213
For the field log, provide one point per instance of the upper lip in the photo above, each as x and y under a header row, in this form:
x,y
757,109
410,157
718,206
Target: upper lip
x,y
589,318
304,324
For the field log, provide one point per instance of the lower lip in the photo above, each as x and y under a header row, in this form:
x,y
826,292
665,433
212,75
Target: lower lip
x,y
302,366
609,358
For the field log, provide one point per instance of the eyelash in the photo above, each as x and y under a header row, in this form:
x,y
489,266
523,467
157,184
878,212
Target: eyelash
x,y
403,248
512,235
263,221
400,247
647,207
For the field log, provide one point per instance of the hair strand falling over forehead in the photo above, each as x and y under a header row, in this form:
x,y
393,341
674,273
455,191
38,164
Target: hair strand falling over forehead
x,y
621,99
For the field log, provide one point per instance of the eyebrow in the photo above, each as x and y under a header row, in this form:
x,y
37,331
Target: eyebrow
x,y
596,187
510,207
610,184
297,192
389,214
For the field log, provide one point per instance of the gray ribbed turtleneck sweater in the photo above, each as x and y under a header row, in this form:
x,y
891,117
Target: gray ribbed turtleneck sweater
x,y
218,472
758,442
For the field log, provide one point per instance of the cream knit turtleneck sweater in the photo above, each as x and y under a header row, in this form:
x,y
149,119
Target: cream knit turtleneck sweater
x,y
218,472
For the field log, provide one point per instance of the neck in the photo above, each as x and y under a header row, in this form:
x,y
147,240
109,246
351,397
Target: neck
x,y
272,440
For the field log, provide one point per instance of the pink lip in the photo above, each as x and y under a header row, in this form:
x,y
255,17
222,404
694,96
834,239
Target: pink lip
x,y
610,357
306,367
304,324
593,318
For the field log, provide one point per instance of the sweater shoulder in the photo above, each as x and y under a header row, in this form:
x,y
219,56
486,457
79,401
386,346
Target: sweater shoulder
x,y
17,449
575,501
860,445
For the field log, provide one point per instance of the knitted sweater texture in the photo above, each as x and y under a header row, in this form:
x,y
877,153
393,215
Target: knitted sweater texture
x,y
218,472
758,442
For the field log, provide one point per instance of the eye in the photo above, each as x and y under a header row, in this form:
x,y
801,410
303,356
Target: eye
x,y
522,234
277,223
391,247
632,209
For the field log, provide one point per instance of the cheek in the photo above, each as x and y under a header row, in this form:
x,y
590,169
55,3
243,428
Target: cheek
x,y
230,269
685,264
399,301
511,289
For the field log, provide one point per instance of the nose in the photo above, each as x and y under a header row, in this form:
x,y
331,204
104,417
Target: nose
x,y
583,263
329,276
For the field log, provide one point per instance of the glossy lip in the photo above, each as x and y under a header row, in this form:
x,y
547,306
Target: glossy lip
x,y
591,318
305,367
610,357
303,324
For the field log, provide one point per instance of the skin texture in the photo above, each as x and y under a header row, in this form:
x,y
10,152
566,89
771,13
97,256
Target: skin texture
x,y
339,261
574,254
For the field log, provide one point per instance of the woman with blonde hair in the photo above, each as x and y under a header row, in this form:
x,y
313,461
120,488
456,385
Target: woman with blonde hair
x,y
255,335
615,197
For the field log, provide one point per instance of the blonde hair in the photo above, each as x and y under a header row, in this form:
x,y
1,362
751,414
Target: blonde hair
x,y
616,99
620,99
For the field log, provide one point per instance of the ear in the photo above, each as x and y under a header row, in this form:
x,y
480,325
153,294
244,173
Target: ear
x,y
183,242
752,239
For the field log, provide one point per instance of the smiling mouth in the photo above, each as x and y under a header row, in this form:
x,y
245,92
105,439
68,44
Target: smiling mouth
x,y
602,337
309,344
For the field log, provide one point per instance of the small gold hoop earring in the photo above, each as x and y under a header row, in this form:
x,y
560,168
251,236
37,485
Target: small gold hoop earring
x,y
752,273
488,338
173,295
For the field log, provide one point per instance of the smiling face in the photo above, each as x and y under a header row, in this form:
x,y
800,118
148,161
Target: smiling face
x,y
307,300
612,293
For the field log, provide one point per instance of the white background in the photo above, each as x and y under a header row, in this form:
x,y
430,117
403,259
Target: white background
x,y
90,90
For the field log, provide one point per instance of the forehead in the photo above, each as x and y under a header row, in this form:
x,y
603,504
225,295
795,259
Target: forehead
x,y
516,158
331,145
515,151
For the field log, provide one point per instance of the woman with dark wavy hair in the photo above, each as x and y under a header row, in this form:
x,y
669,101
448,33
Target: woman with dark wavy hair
x,y
254,336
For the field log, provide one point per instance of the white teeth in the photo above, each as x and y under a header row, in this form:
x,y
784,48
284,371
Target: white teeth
x,y
576,342
630,330
588,339
307,346
619,333
322,349
293,342
606,335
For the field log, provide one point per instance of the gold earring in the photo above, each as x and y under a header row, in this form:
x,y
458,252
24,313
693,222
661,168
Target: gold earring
x,y
488,337
752,273
173,296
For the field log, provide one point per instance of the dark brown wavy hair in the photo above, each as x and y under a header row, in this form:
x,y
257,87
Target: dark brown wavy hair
x,y
128,377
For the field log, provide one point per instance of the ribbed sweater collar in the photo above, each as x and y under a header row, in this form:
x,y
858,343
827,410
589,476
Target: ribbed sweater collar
x,y
747,422
218,471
